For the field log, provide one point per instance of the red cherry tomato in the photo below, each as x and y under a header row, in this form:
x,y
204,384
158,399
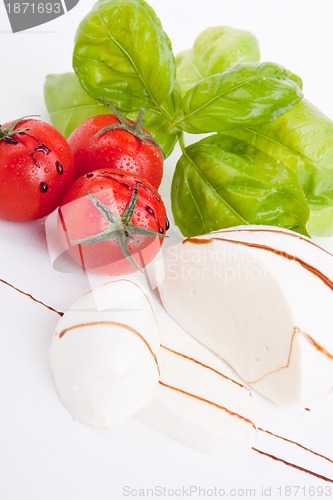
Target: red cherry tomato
x,y
115,148
113,222
36,168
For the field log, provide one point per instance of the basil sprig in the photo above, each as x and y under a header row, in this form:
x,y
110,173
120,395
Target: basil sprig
x,y
224,181
247,94
216,49
122,54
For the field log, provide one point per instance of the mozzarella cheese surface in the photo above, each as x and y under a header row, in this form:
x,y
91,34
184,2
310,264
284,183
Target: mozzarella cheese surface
x,y
262,299
200,401
104,354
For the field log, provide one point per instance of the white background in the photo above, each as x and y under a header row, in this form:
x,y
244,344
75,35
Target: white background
x,y
44,455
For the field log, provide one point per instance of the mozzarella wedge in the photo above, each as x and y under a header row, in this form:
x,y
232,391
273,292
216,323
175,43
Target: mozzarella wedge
x,y
104,354
262,299
199,401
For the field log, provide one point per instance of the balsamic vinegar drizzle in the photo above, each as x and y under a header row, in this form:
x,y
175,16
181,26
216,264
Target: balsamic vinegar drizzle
x,y
205,366
259,428
289,464
223,408
308,267
31,297
307,337
279,231
295,443
315,344
112,323
313,270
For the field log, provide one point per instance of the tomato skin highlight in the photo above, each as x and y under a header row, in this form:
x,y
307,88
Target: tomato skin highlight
x,y
78,218
117,149
36,168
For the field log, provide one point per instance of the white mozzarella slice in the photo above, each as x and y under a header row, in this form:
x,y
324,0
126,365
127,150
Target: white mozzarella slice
x,y
262,299
104,354
200,401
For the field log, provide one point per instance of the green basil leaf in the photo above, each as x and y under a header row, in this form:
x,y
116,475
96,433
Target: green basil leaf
x,y
121,53
69,105
248,94
222,181
302,139
215,50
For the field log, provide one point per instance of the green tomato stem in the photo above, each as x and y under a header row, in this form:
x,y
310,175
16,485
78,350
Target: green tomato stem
x,y
135,128
119,227
11,130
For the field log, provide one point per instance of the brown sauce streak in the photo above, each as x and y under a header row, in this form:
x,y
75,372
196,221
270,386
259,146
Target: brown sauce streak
x,y
296,330
241,385
31,297
295,442
316,345
206,366
292,235
309,339
289,464
233,414
313,270
112,323
198,241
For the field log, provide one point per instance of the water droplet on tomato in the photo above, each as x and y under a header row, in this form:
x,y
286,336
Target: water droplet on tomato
x,y
43,149
150,210
59,167
43,187
10,140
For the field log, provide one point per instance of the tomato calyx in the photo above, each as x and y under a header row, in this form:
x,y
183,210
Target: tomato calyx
x,y
6,134
120,227
135,128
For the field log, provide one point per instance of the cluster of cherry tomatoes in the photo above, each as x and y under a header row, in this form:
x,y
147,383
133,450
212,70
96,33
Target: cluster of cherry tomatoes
x,y
103,181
